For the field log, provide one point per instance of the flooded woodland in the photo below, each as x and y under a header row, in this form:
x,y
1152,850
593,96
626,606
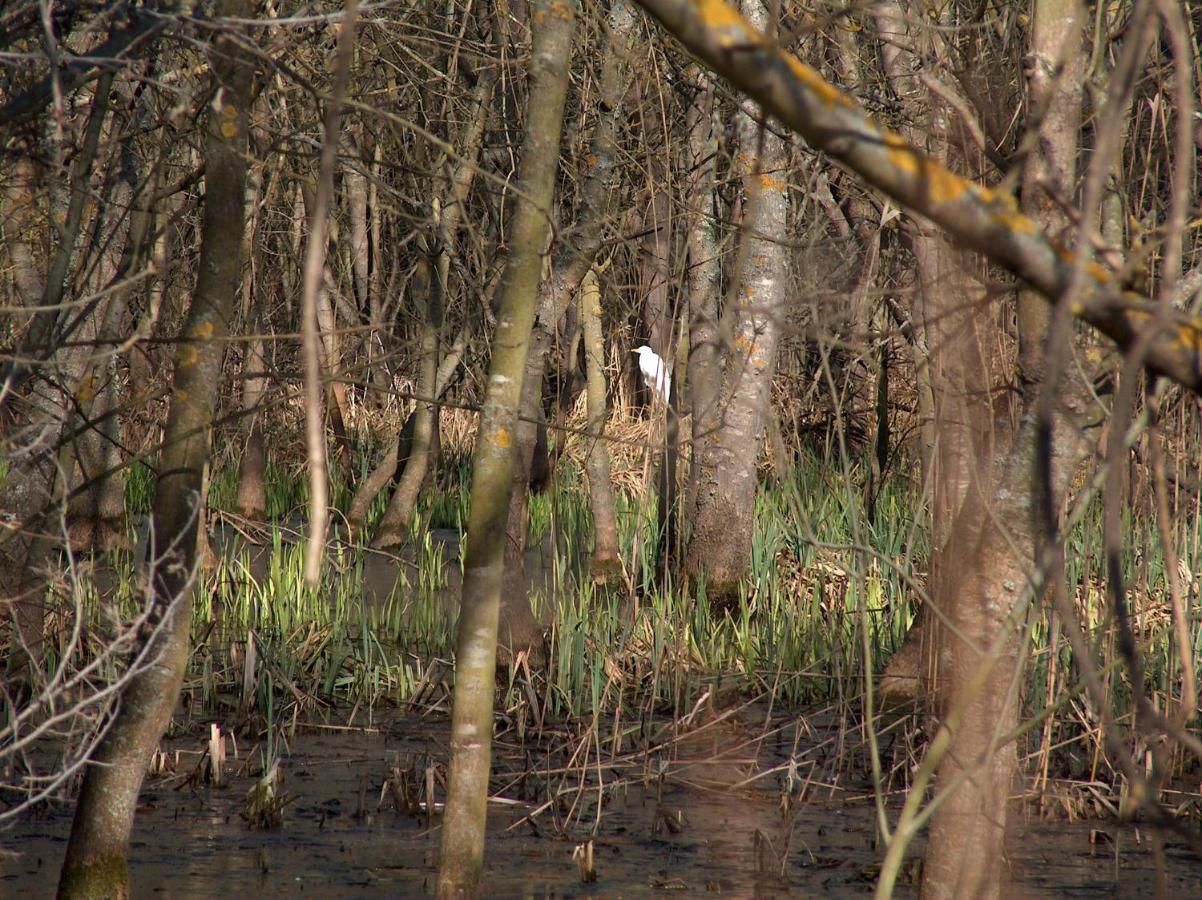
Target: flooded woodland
x,y
602,449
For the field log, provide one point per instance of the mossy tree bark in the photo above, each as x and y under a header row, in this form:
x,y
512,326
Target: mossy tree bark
x,y
520,633
96,864
493,460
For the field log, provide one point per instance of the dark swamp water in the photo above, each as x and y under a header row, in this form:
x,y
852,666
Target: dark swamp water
x,y
699,811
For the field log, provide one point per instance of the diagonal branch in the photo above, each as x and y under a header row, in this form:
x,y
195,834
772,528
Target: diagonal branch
x,y
977,217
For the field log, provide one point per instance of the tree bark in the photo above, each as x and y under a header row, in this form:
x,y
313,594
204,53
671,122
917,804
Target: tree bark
x,y
252,467
719,547
462,855
520,633
606,564
704,276
96,863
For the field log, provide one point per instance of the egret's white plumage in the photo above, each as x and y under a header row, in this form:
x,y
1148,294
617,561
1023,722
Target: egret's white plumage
x,y
655,373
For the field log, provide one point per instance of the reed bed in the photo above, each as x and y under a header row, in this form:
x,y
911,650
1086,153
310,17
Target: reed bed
x,y
829,598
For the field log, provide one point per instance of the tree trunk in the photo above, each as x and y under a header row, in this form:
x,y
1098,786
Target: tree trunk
x,y
96,508
462,856
397,456
704,276
33,426
520,633
252,467
606,564
95,864
719,547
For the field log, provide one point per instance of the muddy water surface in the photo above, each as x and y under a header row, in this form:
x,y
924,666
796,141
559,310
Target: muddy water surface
x,y
701,813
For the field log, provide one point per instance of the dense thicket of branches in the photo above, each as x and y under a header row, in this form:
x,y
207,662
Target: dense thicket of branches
x,y
783,290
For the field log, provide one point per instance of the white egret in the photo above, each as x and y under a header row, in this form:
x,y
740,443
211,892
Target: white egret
x,y
655,373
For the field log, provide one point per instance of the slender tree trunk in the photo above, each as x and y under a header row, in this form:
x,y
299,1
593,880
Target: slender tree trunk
x,y
394,526
398,453
96,864
520,633
719,547
355,184
606,564
492,464
96,511
1056,82
252,467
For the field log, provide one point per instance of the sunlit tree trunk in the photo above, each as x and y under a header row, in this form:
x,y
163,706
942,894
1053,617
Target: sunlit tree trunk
x,y
719,547
462,845
606,564
95,864
520,633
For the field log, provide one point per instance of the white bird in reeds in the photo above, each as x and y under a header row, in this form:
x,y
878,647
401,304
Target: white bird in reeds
x,y
655,373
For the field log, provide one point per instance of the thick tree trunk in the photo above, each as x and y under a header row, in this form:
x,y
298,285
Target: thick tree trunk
x,y
704,276
719,547
95,864
493,461
982,529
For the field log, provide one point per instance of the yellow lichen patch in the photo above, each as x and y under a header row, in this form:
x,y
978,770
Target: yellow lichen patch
x,y
1094,270
502,439
815,83
229,121
203,330
1014,221
1189,335
717,14
941,185
188,355
562,11
87,388
771,183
